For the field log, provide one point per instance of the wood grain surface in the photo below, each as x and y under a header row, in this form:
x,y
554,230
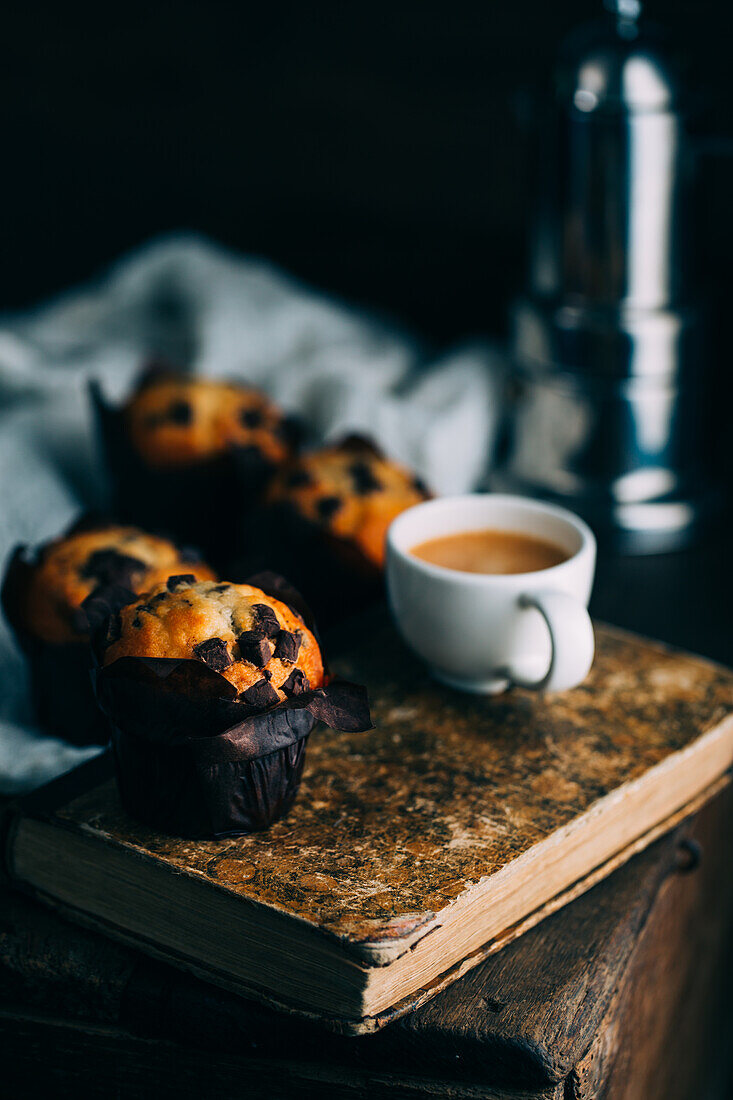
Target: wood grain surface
x,y
666,1034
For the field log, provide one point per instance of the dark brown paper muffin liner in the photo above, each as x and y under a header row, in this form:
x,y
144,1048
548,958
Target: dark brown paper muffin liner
x,y
200,502
60,683
182,790
194,760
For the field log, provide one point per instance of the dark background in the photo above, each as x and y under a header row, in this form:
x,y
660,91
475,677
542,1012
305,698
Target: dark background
x,y
377,150
382,151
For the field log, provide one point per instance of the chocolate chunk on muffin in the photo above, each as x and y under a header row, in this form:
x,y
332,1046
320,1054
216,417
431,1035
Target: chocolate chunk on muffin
x,y
351,492
174,421
254,641
71,569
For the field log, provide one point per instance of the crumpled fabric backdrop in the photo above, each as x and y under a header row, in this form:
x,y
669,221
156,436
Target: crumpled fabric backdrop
x,y
224,315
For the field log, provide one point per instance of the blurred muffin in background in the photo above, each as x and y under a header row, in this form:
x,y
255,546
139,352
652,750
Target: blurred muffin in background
x,y
324,523
48,595
188,455
174,421
351,492
76,565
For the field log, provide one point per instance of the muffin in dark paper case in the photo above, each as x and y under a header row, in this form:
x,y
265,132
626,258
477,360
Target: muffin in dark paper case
x,y
47,594
186,454
212,690
324,523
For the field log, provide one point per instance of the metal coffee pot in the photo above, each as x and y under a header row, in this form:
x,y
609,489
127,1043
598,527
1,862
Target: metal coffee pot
x,y
607,346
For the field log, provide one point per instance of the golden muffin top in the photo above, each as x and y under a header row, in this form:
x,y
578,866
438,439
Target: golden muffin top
x,y
256,642
175,420
74,566
351,491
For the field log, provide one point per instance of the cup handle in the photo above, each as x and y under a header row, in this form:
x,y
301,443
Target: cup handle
x,y
571,638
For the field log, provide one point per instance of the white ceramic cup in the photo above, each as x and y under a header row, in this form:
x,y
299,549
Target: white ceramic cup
x,y
484,632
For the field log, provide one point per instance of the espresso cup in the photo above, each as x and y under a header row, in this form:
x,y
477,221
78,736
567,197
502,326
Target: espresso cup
x,y
484,632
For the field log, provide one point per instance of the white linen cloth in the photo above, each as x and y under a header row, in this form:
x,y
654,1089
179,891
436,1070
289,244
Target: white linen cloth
x,y
225,315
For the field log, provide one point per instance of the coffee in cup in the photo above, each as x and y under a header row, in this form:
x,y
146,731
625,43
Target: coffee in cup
x,y
491,551
492,591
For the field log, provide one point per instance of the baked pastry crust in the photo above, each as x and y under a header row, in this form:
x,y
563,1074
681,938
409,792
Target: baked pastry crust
x,y
351,492
175,421
256,642
74,566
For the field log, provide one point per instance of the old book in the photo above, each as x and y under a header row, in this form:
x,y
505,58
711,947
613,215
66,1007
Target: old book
x,y
413,850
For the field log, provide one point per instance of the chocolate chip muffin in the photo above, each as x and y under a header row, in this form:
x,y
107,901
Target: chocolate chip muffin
x,y
42,595
351,492
174,421
73,567
253,640
211,691
191,456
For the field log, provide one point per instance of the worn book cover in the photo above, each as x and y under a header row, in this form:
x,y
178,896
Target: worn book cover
x,y
412,850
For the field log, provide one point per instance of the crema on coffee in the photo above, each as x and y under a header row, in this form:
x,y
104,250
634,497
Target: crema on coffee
x,y
490,551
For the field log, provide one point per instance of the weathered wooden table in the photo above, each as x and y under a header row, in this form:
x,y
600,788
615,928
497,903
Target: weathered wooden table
x,y
623,994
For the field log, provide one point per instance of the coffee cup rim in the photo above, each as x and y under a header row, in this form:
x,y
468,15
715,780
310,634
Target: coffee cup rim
x,y
531,505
